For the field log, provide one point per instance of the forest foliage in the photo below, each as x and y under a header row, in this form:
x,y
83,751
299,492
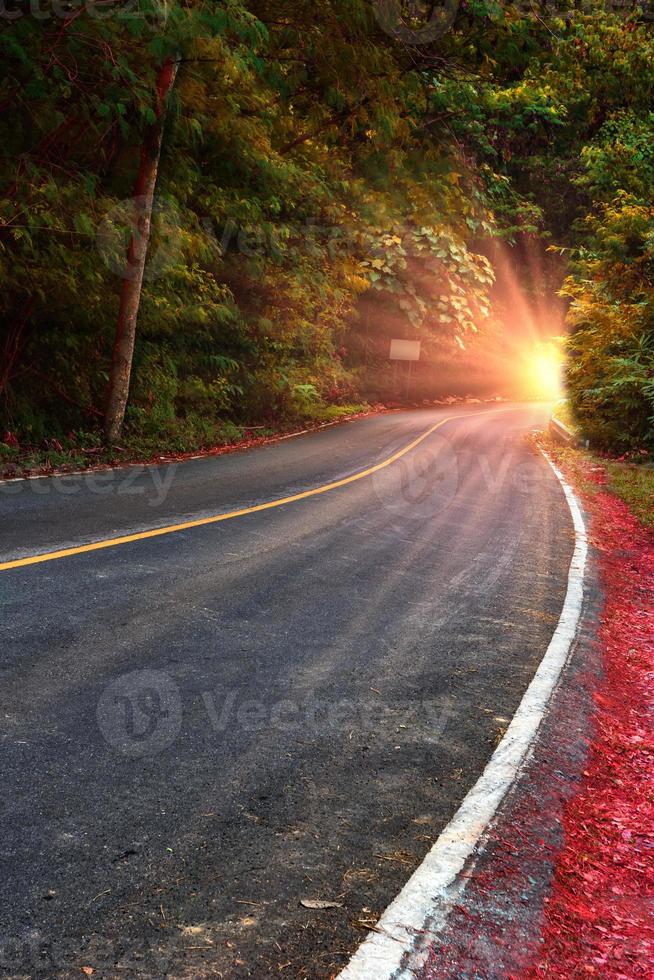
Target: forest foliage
x,y
332,175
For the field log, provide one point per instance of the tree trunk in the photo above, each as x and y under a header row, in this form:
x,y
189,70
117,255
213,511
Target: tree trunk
x,y
13,342
130,296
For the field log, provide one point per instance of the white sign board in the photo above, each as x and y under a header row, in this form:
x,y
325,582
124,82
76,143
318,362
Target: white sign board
x,y
405,350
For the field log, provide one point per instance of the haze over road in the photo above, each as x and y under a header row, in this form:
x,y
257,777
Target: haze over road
x,y
203,728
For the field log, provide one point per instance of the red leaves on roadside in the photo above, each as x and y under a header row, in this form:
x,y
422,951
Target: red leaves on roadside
x,y
599,919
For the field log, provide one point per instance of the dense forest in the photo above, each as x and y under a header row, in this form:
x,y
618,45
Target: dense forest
x,y
267,192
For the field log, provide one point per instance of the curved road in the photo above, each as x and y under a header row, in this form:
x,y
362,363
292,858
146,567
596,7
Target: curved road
x,y
203,728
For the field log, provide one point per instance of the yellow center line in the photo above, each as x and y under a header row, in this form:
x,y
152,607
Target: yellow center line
x,y
217,518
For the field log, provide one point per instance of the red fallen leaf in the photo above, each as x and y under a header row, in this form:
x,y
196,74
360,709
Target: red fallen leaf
x,y
599,918
616,792
88,970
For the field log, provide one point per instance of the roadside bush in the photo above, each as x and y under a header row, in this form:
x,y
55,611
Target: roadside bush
x,y
611,368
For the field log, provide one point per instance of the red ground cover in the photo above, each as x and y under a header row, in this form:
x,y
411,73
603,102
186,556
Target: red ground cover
x,y
599,918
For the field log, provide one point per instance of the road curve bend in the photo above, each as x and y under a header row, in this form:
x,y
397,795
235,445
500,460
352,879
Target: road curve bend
x,y
205,728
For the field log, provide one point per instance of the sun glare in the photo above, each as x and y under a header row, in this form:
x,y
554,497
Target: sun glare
x,y
544,371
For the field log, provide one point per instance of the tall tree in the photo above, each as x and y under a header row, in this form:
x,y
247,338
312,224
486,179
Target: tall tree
x,y
130,296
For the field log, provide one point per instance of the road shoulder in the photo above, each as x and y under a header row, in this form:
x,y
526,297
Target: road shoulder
x,y
414,922
563,886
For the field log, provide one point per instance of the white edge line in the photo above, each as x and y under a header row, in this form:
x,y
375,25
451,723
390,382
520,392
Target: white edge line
x,y
420,910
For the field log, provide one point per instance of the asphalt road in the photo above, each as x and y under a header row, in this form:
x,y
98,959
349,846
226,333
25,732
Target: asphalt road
x,y
202,729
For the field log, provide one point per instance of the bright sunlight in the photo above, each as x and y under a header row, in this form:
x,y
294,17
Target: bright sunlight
x,y
543,366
